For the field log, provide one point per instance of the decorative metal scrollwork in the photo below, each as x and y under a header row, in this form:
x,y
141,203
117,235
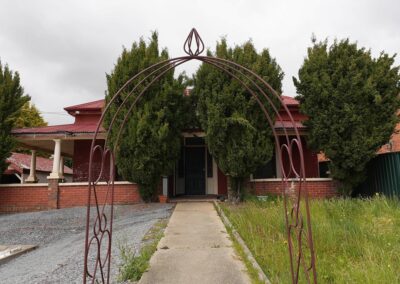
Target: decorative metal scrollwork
x,y
99,224
300,242
99,238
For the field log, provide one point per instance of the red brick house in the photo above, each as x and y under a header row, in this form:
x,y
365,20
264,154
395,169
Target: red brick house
x,y
196,173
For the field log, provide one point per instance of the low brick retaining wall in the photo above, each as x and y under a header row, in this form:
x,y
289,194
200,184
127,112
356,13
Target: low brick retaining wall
x,y
15,198
317,187
36,197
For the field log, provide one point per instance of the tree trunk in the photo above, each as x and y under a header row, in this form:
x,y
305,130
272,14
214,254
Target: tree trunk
x,y
235,189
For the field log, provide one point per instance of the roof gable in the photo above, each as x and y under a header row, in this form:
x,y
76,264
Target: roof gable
x,y
95,105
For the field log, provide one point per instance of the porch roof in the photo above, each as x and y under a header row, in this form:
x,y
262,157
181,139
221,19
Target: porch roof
x,y
67,129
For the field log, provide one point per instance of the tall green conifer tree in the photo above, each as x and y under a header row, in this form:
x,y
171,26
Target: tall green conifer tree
x,y
12,98
150,143
351,100
237,132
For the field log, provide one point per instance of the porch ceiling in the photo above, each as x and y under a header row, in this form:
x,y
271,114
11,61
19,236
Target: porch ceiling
x,y
67,146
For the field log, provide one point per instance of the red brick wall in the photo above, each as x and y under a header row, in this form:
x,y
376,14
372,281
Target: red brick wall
x,y
394,140
33,198
317,188
23,198
76,195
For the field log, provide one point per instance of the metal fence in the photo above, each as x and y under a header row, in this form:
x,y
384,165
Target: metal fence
x,y
383,176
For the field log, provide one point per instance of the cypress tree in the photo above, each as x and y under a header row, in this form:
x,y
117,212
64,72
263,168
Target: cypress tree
x,y
151,140
12,98
237,133
351,100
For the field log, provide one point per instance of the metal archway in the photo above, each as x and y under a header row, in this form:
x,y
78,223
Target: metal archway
x,y
98,240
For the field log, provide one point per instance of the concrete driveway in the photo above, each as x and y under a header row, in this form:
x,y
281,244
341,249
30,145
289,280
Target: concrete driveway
x,y
60,236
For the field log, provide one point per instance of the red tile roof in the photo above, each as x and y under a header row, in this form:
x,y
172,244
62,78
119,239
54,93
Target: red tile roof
x,y
290,101
59,129
81,128
19,162
288,124
98,105
95,105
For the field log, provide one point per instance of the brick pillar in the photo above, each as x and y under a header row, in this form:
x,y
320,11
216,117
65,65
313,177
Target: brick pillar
x,y
52,194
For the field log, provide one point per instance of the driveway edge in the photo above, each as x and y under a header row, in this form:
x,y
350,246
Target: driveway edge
x,y
240,241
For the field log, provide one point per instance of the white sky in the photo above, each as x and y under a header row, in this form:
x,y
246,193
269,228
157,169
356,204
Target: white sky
x,y
62,49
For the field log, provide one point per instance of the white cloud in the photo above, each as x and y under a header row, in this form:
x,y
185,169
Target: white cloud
x,y
63,49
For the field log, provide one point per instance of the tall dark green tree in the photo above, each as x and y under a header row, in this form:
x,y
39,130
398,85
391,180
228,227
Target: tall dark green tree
x,y
12,98
150,142
237,133
351,100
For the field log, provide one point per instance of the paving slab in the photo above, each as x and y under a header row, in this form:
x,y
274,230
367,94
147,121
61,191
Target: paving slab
x,y
7,252
195,249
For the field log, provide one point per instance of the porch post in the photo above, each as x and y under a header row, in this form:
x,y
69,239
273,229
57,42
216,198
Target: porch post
x,y
164,197
56,160
32,171
54,177
61,171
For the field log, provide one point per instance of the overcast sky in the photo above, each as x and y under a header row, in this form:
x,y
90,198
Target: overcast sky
x,y
63,49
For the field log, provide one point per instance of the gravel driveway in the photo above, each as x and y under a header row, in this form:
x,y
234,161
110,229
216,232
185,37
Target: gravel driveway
x,y
60,236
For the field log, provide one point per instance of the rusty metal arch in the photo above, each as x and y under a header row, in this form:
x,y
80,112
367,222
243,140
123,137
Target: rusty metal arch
x,y
299,233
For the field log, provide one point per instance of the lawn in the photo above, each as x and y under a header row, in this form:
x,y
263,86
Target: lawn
x,y
356,241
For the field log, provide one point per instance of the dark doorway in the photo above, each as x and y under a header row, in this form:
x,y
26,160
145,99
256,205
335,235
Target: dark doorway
x,y
195,171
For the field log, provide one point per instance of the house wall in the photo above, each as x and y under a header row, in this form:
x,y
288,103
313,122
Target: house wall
x,y
212,182
317,187
87,118
42,176
36,197
81,161
294,111
310,160
222,183
394,143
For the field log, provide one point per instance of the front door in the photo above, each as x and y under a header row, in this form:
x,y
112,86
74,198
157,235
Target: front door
x,y
195,171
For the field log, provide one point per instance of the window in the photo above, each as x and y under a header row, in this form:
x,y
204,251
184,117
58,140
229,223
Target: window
x,y
266,171
324,171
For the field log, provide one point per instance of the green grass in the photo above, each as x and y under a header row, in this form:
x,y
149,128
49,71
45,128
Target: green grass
x,y
133,266
356,241
251,271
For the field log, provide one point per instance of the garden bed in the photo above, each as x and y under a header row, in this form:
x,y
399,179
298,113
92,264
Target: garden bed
x,y
356,241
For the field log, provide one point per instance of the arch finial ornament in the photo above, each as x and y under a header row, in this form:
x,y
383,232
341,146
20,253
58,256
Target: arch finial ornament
x,y
193,39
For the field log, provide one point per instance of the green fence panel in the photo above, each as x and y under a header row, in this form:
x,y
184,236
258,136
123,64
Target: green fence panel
x,y
383,176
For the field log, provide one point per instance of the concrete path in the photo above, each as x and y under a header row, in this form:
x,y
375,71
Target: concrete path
x,y
195,249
